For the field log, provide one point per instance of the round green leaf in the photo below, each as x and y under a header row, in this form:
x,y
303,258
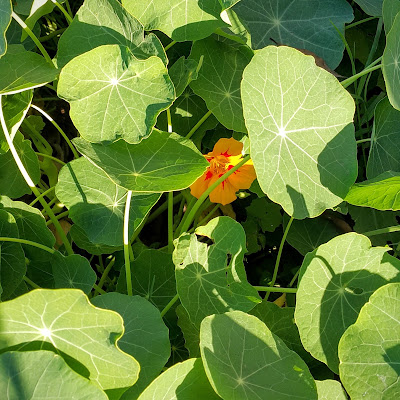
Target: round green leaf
x,y
119,100
369,349
385,144
389,12
97,205
330,390
191,332
218,83
161,163
65,319
145,338
41,375
243,359
299,120
336,280
304,24
5,19
212,278
21,70
183,381
100,22
371,7
391,63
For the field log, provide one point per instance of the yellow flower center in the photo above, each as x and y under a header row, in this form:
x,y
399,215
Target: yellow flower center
x,y
218,165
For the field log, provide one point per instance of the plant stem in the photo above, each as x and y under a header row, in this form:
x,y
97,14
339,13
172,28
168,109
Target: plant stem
x,y
204,196
170,222
59,216
363,140
169,120
206,218
29,242
45,193
359,22
127,244
30,183
162,208
275,289
168,46
199,123
105,274
294,277
33,37
63,134
51,158
347,82
51,35
169,305
30,282
63,10
389,229
278,257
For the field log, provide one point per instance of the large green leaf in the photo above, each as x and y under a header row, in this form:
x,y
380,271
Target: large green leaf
x,y
163,162
183,381
336,280
100,22
5,19
211,278
12,259
43,375
330,390
389,12
381,192
191,332
119,100
243,359
369,349
299,120
305,24
182,72
385,143
371,7
66,319
219,79
145,337
181,20
21,70
97,205
391,63
12,183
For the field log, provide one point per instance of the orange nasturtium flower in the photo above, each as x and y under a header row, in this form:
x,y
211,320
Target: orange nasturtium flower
x,y
225,155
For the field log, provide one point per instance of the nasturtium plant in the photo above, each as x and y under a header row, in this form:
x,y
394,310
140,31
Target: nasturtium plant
x,y
199,199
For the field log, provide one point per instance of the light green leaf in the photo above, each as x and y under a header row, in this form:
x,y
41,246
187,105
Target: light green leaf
x,y
191,332
391,64
330,390
371,7
21,70
385,144
302,24
299,120
212,278
41,375
219,79
97,205
389,12
15,107
72,272
181,20
243,359
161,163
66,319
122,99
182,381
154,277
5,19
145,337
183,72
11,181
369,349
100,22
336,280
12,259
381,192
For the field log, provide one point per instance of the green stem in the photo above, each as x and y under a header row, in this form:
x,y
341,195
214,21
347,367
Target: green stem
x,y
105,274
162,208
33,37
169,305
359,22
294,278
45,193
180,213
30,282
98,289
168,46
189,206
29,242
363,140
275,289
347,82
127,244
51,158
63,134
51,35
204,196
169,120
197,126
278,257
170,222
63,10
30,183
389,229
59,216
206,218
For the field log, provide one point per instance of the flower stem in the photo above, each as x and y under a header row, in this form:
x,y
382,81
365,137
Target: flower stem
x,y
170,222
347,82
45,193
389,229
168,46
105,274
169,305
51,158
275,289
197,126
127,244
206,218
63,10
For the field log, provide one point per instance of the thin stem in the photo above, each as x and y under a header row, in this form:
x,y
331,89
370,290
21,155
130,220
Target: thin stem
x,y
69,8
206,218
45,193
127,244
30,282
185,216
363,140
294,278
389,229
162,208
51,158
275,289
169,305
168,46
98,289
347,82
63,134
30,183
105,274
197,126
59,216
169,120
170,222
359,22
51,35
29,242
180,213
33,37
63,10
278,257
204,196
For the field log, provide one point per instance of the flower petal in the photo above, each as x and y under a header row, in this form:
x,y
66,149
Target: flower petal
x,y
243,177
227,147
223,193
201,184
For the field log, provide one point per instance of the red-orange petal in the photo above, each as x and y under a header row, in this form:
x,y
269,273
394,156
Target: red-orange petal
x,y
243,177
227,147
224,193
201,184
